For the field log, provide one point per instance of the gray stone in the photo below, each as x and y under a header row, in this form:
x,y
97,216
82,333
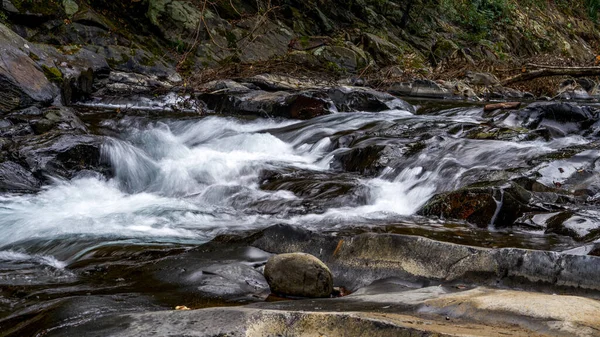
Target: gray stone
x,y
429,311
359,260
22,83
338,58
71,7
420,88
485,79
298,274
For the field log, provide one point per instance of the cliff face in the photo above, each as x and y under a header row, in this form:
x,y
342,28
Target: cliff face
x,y
428,38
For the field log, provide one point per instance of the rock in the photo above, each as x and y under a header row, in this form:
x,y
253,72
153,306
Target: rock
x,y
62,154
229,280
298,274
340,59
576,89
310,42
484,205
382,51
559,118
131,83
297,105
15,178
483,79
319,190
368,160
442,50
22,83
582,225
71,7
274,82
348,99
419,88
175,18
358,260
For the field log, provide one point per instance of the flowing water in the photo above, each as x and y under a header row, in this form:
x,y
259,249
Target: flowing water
x,y
181,182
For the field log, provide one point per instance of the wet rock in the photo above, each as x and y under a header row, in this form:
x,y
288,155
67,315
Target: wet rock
x,y
298,274
15,178
368,160
22,82
319,191
582,225
559,118
62,154
420,88
363,99
358,260
298,105
576,89
235,279
484,205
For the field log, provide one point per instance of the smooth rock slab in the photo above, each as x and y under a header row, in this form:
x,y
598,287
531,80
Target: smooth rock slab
x,y
298,274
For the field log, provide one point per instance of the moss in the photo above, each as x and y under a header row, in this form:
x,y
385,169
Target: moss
x,y
53,74
70,49
148,61
231,39
334,68
44,7
33,56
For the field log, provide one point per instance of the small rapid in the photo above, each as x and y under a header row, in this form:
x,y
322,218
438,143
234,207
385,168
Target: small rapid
x,y
190,180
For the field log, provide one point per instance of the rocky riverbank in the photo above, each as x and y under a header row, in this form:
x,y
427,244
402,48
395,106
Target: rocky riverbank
x,y
154,155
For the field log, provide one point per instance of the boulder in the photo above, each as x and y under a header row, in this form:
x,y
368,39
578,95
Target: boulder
x,y
22,82
341,59
348,98
298,274
492,204
296,105
559,119
382,51
483,79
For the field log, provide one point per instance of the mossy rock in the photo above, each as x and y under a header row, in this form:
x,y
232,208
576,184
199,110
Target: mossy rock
x,y
52,8
53,74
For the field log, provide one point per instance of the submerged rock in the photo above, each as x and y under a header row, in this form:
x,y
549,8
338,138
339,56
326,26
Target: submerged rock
x,y
298,274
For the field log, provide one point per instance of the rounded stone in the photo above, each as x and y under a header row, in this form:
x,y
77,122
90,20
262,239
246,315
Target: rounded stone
x,y
298,274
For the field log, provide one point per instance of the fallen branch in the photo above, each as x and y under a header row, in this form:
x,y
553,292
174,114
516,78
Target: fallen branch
x,y
502,106
548,71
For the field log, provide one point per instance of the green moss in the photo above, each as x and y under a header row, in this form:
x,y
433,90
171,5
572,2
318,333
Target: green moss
x,y
45,7
231,39
53,74
33,56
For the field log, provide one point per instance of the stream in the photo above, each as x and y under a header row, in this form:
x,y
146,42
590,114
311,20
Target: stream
x,y
180,182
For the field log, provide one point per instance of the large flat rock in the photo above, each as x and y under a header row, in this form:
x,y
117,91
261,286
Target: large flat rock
x,y
432,311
